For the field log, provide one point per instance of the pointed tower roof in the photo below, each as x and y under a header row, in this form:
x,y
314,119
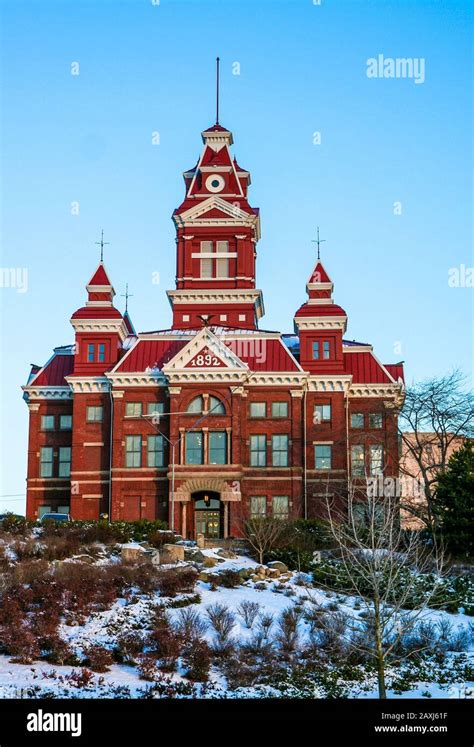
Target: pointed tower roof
x,y
319,274
100,277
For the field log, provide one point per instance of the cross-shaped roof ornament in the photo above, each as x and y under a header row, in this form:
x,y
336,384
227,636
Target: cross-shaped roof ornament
x,y
318,241
126,296
102,243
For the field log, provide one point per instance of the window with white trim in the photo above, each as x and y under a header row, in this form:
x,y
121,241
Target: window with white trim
x,y
279,409
65,422
258,506
212,265
64,461
133,409
46,461
376,459
281,507
95,414
280,450
133,451
322,413
258,410
323,456
155,451
258,451
47,422
357,460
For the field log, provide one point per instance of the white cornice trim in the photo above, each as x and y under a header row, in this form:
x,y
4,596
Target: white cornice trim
x,y
321,322
357,348
329,383
137,379
47,392
101,325
88,384
205,338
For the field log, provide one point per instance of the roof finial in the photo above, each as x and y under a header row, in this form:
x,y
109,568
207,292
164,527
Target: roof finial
x,y
217,89
318,241
126,296
102,243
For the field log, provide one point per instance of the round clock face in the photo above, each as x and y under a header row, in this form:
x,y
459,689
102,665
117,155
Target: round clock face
x,y
215,183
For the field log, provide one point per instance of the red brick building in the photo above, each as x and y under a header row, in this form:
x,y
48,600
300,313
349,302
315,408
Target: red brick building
x,y
213,419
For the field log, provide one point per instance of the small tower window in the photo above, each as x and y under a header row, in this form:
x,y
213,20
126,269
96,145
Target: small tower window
x,y
316,350
101,352
90,353
326,350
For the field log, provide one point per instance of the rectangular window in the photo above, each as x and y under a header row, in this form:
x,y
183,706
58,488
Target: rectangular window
x,y
258,410
101,352
206,262
258,506
46,461
376,460
281,505
95,414
133,409
326,350
64,461
357,460
222,264
194,447
315,350
47,422
357,420
323,456
65,422
258,451
322,413
155,451
217,447
279,409
155,408
90,352
280,451
375,420
133,451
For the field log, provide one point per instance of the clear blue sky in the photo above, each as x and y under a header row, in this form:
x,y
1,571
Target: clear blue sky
x,y
147,68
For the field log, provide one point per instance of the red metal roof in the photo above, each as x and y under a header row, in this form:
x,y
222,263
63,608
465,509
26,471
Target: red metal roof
x,y
395,370
217,128
54,372
365,369
319,274
100,277
151,354
262,354
97,312
266,355
320,309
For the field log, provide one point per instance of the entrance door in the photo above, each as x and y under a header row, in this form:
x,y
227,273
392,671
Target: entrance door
x,y
207,515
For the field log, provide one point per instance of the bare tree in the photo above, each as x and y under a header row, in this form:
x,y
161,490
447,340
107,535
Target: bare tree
x,y
263,533
437,415
380,563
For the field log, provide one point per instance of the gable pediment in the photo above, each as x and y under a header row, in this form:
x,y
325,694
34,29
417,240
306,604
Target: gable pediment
x,y
215,207
205,352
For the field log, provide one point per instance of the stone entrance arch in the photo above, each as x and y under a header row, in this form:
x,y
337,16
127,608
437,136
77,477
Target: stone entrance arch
x,y
229,491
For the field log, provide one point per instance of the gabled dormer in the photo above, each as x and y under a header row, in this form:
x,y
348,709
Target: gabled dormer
x,y
100,328
320,324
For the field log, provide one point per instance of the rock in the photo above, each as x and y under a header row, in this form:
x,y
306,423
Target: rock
x,y
260,570
273,573
226,553
194,555
132,551
200,540
174,551
245,573
278,565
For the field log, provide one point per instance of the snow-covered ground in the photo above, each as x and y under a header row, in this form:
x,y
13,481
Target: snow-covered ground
x,y
18,680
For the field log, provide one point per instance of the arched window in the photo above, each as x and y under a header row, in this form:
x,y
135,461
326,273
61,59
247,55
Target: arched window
x,y
196,405
216,407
